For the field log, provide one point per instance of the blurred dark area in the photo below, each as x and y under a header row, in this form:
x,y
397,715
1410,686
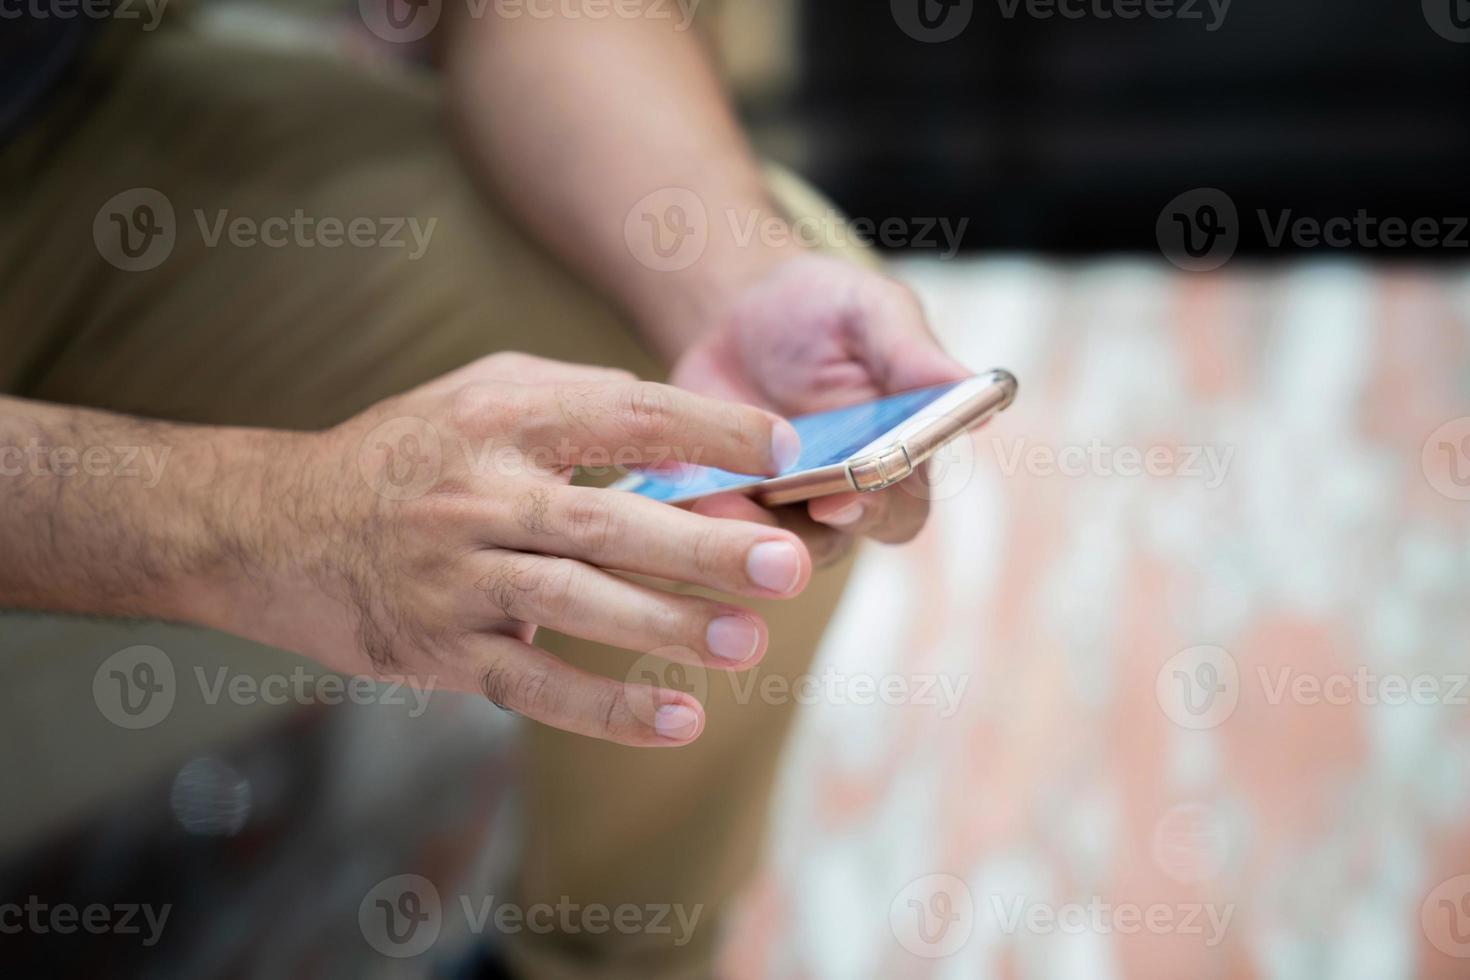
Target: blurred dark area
x,y
251,860
1069,135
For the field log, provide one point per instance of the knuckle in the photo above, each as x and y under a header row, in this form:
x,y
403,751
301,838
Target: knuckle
x,y
884,292
532,509
646,411
672,622
556,586
471,403
508,361
525,690
497,685
569,403
711,551
594,521
611,708
477,407
534,691
508,583
750,427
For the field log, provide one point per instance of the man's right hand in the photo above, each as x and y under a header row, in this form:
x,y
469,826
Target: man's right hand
x,y
429,536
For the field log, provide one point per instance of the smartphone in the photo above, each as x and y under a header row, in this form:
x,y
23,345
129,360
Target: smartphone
x,y
860,447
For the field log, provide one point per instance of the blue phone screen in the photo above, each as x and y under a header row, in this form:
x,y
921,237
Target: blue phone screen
x,y
826,438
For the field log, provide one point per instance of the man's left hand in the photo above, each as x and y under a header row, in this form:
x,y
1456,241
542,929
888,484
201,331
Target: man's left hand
x,y
816,333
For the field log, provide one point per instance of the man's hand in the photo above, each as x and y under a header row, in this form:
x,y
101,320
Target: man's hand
x,y
428,537
816,333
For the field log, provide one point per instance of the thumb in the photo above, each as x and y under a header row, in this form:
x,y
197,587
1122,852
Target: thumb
x,y
905,353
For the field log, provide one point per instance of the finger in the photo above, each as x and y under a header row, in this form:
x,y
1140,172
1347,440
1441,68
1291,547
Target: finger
x,y
890,515
623,531
531,682
642,423
839,510
825,544
733,507
579,600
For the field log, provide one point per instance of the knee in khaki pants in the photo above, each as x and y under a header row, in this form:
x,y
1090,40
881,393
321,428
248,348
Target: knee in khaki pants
x,y
290,338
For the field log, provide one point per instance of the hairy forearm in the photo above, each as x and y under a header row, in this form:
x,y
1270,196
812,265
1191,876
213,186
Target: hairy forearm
x,y
576,119
111,515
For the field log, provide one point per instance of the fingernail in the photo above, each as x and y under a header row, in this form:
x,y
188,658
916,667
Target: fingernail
x,y
732,638
676,721
785,444
774,565
844,516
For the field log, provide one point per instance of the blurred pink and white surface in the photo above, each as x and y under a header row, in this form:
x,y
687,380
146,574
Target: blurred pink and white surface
x,y
1175,681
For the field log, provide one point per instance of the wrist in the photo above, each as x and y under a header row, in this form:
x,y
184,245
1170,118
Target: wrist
x,y
250,526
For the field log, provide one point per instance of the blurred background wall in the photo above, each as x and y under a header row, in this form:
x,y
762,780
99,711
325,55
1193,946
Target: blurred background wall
x,y
1227,693
1065,127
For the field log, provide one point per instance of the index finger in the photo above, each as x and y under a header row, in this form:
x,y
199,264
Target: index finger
x,y
642,423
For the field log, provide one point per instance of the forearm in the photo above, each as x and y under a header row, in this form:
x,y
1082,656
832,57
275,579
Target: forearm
x,y
577,119
110,515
